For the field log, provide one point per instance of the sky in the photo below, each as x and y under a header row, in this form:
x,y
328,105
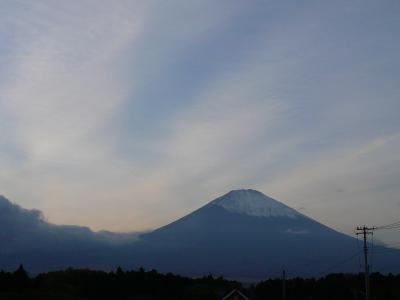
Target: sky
x,y
125,115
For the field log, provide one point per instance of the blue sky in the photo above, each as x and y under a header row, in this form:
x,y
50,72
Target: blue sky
x,y
125,115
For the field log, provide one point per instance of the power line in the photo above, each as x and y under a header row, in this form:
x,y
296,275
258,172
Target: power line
x,y
339,263
371,253
394,225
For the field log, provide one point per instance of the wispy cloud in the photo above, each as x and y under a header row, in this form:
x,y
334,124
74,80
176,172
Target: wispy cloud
x,y
145,110
65,86
345,187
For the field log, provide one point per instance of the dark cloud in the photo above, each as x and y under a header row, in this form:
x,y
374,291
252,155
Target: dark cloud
x,y
26,237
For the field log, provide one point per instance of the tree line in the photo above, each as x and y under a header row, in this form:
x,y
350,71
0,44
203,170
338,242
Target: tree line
x,y
85,284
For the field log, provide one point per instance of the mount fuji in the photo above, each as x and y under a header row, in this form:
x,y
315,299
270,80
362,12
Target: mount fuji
x,y
245,234
242,234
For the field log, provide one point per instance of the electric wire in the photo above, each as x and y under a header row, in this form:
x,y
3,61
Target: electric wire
x,y
394,225
347,259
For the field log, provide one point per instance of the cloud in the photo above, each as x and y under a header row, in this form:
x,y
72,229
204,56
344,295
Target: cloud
x,y
146,111
27,237
64,89
65,84
358,183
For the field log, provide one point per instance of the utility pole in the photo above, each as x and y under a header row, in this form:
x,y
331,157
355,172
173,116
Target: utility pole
x,y
284,285
365,231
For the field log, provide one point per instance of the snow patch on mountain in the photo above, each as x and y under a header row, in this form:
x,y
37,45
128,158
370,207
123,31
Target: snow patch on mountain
x,y
297,231
254,203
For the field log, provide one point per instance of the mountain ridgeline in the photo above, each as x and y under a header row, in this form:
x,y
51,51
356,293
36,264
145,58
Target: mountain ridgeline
x,y
243,234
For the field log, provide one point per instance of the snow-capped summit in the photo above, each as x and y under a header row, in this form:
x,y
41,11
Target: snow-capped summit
x,y
254,203
243,234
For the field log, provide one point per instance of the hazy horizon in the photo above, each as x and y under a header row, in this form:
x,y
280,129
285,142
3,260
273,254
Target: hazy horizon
x,y
134,234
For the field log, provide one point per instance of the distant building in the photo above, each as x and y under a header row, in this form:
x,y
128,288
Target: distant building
x,y
235,295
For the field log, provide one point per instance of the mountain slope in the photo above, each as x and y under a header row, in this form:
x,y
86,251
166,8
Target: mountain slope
x,y
246,234
243,234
